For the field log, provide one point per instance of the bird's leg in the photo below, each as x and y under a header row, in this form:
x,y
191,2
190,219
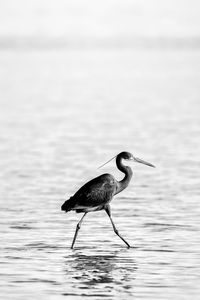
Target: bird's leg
x,y
77,229
108,211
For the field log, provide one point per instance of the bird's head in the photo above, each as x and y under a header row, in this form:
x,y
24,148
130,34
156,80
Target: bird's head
x,y
125,155
128,156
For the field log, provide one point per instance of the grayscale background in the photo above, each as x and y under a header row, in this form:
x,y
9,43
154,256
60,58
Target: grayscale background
x,y
80,81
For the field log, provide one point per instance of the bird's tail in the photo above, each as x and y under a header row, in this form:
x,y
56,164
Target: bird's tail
x,y
68,205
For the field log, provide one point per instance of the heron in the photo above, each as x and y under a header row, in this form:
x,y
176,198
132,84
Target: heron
x,y
97,193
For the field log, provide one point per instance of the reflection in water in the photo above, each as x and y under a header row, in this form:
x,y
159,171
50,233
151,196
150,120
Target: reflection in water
x,y
102,275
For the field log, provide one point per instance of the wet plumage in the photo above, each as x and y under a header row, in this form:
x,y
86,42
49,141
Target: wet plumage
x,y
92,196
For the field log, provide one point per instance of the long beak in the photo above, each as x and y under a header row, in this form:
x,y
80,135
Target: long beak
x,y
142,162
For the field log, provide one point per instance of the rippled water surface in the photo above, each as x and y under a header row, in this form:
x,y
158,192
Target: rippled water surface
x,y
64,113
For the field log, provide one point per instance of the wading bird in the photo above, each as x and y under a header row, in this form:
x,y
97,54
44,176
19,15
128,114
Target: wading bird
x,y
97,193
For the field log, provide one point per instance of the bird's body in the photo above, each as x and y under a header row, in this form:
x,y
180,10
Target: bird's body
x,y
96,194
93,195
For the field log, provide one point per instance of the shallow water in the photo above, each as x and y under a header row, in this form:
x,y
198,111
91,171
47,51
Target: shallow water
x,y
64,113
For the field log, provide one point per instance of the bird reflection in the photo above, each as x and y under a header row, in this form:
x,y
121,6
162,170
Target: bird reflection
x,y
94,272
95,269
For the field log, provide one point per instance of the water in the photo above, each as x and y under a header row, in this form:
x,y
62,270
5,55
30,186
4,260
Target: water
x,y
64,113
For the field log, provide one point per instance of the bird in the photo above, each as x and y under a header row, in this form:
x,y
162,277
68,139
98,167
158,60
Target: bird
x,y
97,193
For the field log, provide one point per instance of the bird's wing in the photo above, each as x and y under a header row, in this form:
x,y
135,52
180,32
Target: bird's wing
x,y
98,191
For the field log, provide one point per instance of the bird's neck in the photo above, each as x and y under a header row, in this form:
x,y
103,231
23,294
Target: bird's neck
x,y
128,175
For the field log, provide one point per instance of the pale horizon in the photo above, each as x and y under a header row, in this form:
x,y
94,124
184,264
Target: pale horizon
x,y
100,20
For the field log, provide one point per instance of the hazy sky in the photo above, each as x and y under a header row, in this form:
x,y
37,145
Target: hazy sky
x,y
105,18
